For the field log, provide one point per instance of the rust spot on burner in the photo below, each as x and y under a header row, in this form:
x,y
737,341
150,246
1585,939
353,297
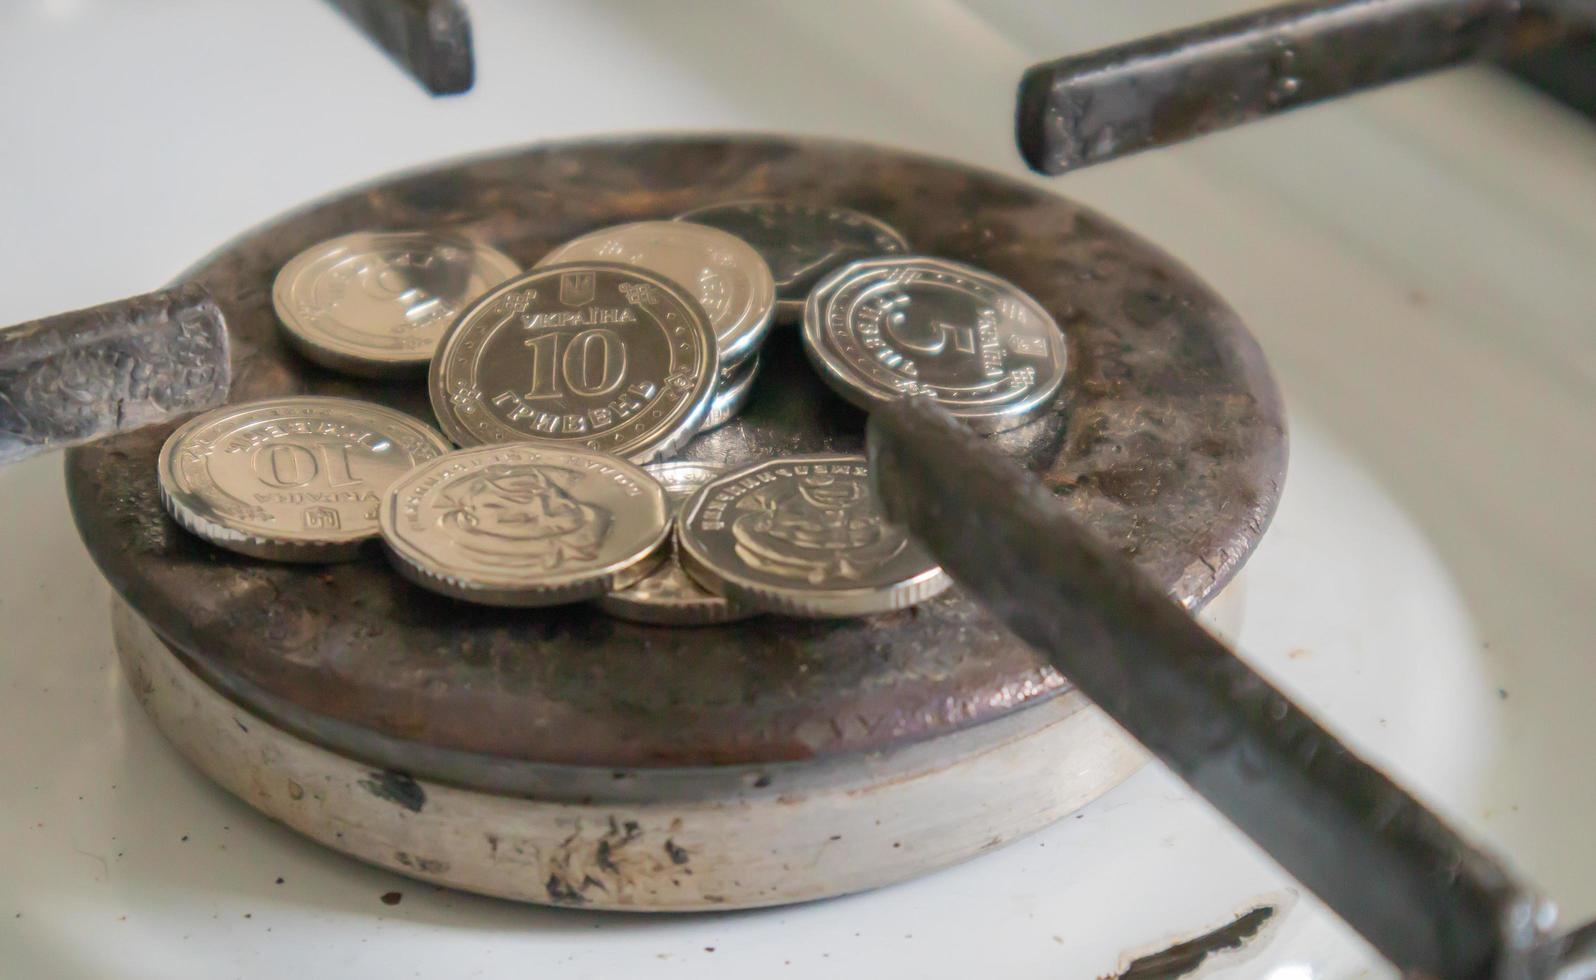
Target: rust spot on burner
x,y
1131,485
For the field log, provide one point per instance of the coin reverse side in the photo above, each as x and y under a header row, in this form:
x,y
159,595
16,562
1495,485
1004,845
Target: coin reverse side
x,y
723,272
376,303
591,354
880,329
669,596
291,479
525,524
803,536
801,242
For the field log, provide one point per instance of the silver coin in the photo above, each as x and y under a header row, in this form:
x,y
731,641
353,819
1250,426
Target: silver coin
x,y
803,536
801,242
880,329
669,596
725,274
376,303
525,524
593,354
292,479
732,392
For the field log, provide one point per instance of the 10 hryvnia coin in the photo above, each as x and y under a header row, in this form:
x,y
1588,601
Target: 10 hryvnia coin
x,y
592,355
291,479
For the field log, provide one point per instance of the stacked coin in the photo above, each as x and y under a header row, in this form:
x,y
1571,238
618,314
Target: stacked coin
x,y
375,303
724,274
669,596
880,329
559,383
801,242
592,354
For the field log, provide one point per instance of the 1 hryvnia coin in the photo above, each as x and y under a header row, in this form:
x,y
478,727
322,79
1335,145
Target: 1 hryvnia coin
x,y
375,303
591,354
292,479
525,524
802,536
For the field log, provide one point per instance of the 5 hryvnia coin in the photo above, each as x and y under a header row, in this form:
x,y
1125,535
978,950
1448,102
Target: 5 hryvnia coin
x,y
801,242
591,354
525,524
292,479
802,536
375,303
669,596
723,272
881,329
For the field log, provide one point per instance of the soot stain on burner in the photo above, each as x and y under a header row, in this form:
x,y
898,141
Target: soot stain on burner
x,y
676,852
1186,956
561,892
432,865
396,787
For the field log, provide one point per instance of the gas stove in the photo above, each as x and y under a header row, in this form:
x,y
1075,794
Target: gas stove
x,y
1421,300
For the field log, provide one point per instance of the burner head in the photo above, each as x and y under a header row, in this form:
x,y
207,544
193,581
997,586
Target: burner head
x,y
1167,440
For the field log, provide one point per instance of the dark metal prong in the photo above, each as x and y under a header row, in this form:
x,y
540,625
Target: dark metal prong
x,y
1088,108
79,376
430,39
1410,885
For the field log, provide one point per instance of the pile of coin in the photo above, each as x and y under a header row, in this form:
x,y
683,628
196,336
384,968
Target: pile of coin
x,y
565,386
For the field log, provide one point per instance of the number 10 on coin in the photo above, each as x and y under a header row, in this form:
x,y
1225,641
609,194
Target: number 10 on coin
x,y
592,354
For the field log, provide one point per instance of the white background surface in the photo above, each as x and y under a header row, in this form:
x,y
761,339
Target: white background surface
x,y
1416,263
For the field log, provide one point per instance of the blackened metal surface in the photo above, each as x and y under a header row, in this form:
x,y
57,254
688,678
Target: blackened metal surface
x,y
1565,71
1185,957
1399,876
430,39
1569,957
1168,442
1093,107
90,373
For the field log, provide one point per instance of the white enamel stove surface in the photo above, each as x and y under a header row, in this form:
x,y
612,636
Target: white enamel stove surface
x,y
1416,264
